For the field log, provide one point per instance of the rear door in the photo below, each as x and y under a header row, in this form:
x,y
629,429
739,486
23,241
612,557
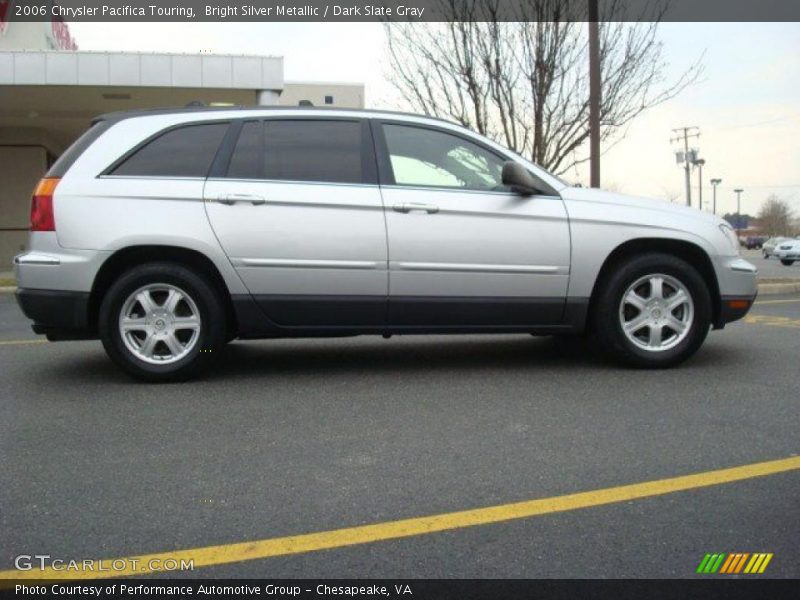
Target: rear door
x,y
298,211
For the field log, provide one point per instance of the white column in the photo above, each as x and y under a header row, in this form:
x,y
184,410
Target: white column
x,y
267,97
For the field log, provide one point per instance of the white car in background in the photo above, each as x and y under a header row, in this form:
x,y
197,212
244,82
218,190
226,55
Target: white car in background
x,y
768,249
788,252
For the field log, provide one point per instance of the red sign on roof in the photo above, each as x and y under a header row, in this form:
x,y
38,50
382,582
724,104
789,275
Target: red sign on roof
x,y
62,38
5,14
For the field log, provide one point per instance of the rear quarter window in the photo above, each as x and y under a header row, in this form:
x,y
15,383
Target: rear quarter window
x,y
185,151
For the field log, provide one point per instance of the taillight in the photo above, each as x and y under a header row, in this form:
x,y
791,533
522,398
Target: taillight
x,y
42,217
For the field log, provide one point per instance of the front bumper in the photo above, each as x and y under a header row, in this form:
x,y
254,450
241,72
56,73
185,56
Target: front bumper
x,y
738,288
733,308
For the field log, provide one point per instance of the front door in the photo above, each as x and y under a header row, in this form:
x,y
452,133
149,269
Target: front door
x,y
299,214
464,251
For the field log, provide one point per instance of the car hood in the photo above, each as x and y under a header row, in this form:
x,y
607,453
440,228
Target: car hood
x,y
638,202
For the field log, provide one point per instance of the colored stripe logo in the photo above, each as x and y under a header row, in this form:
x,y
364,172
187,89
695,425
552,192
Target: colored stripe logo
x,y
735,562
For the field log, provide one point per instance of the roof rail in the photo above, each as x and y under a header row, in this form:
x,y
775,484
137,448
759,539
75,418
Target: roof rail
x,y
199,107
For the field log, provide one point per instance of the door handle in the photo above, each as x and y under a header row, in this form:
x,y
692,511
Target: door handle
x,y
407,207
253,199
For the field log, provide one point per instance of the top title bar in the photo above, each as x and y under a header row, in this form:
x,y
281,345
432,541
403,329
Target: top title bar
x,y
396,10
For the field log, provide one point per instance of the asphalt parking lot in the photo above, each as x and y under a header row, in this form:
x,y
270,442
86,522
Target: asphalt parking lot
x,y
298,437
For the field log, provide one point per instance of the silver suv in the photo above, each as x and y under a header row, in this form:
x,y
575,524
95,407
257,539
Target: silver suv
x,y
168,233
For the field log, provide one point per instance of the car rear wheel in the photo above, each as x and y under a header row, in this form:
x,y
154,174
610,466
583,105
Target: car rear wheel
x,y
653,311
786,262
162,322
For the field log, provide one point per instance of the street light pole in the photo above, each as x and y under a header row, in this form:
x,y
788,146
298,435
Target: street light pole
x,y
700,162
594,94
738,192
686,169
714,184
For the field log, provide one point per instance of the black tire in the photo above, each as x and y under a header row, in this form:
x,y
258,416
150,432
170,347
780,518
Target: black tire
x,y
786,262
765,254
607,323
210,337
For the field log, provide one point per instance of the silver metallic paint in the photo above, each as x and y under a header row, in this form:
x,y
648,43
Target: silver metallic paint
x,y
324,239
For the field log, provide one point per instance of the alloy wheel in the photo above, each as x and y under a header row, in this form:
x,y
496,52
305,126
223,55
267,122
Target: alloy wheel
x,y
159,323
656,312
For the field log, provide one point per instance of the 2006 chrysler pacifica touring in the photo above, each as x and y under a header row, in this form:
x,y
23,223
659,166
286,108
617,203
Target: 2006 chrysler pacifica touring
x,y
168,233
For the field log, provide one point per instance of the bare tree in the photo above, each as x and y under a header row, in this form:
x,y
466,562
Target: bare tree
x,y
525,83
775,216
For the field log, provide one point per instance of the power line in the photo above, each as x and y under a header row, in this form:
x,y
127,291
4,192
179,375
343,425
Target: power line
x,y
767,122
774,185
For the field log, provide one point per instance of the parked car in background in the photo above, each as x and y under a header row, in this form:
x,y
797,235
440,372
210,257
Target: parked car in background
x,y
168,233
788,251
752,242
768,247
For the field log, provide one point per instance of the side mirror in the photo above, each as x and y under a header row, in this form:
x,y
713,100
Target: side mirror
x,y
519,179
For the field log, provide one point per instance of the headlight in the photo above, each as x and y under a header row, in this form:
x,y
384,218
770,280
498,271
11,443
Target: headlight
x,y
731,236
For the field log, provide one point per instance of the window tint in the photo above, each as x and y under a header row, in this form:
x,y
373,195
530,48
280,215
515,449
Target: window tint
x,y
183,152
247,160
313,150
434,158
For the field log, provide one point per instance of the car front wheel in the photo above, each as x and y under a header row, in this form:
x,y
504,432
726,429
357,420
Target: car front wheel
x,y
653,311
162,322
786,262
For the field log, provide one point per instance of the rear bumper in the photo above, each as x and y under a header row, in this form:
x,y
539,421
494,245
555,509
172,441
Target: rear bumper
x,y
58,314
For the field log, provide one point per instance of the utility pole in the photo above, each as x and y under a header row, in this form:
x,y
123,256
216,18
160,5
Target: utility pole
x,y
738,192
700,162
685,133
594,93
714,184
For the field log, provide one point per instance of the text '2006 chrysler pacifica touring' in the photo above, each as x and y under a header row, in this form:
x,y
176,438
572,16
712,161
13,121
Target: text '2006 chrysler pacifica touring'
x,y
168,233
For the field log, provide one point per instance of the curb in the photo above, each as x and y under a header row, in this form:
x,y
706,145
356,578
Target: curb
x,y
769,289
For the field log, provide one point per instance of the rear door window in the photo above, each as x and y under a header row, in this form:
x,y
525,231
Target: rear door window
x,y
247,161
313,150
181,152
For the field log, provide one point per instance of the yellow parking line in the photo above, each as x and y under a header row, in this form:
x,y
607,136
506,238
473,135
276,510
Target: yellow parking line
x,y
21,342
365,534
772,321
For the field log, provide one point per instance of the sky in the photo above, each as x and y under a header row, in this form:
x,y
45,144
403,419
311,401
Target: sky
x,y
746,104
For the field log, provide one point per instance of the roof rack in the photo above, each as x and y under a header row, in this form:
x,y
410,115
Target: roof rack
x,y
197,106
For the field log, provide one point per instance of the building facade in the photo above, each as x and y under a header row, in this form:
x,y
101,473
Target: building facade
x,y
299,93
